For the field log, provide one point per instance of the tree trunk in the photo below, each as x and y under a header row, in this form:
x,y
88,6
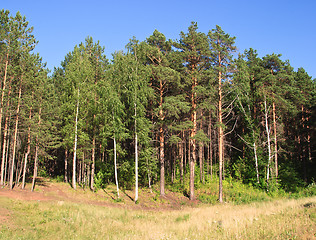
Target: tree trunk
x,y
210,158
220,137
268,138
35,165
136,160
192,140
185,154
5,136
115,169
75,146
92,165
3,88
7,157
162,161
36,152
181,160
201,147
275,142
15,135
28,150
256,159
66,165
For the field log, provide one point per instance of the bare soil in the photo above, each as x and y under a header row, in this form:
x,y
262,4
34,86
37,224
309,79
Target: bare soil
x,y
48,190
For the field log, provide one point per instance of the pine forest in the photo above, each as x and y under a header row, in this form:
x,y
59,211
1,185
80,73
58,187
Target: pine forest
x,y
175,114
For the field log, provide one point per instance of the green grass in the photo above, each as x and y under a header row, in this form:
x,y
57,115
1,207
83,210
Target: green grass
x,y
284,219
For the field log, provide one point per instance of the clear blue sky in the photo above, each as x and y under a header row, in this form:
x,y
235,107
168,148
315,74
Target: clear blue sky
x,y
287,27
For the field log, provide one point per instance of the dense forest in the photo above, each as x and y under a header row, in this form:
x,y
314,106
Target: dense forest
x,y
162,112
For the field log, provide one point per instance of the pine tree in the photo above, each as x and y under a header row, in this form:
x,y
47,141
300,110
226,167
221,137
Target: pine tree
x,y
164,82
222,47
193,50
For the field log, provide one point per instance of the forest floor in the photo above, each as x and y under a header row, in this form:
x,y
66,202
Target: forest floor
x,y
49,190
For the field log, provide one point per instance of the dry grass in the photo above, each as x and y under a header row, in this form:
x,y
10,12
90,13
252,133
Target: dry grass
x,y
284,219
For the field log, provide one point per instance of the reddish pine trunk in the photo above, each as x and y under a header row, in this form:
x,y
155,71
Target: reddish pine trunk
x,y
36,152
220,135
192,140
162,162
3,88
28,150
15,135
181,159
5,140
210,162
201,147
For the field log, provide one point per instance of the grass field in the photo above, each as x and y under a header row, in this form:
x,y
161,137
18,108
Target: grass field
x,y
52,219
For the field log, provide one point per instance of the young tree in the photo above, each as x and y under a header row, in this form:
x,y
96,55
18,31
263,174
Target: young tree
x,y
77,73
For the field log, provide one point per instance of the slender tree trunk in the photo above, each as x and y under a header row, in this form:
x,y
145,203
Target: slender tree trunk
x,y
80,171
15,135
36,152
66,165
7,157
185,153
92,165
162,161
3,88
275,142
309,142
161,142
28,150
268,138
201,147
5,136
192,140
35,165
136,159
75,146
220,137
148,175
181,160
301,144
256,157
115,169
210,148
19,171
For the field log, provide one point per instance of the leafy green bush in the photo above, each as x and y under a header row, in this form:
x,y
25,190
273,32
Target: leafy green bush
x,y
308,191
208,198
100,180
237,192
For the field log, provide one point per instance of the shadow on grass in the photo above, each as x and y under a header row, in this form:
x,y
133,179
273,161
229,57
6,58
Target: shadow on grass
x,y
128,196
108,194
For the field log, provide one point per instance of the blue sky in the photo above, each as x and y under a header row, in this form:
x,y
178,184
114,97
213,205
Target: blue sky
x,y
287,27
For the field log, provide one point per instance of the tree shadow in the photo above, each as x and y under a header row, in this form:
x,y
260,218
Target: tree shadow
x,y
309,205
108,194
128,196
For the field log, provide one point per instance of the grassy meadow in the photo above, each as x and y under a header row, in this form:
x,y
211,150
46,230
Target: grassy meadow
x,y
278,219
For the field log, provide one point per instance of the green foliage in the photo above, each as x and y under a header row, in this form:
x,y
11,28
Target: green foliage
x,y
208,198
100,180
302,192
239,193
